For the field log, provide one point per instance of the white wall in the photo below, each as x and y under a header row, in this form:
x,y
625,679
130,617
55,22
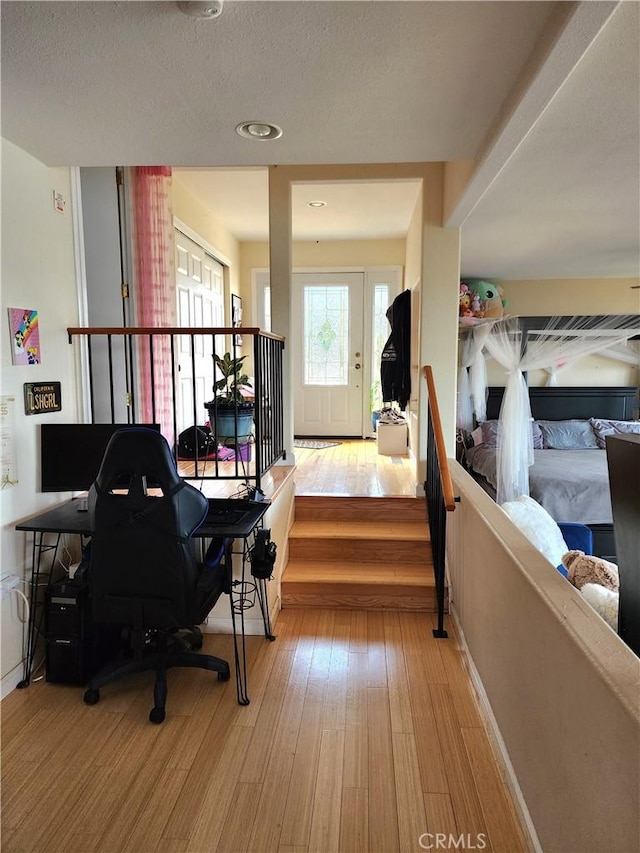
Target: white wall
x,y
563,688
38,272
567,297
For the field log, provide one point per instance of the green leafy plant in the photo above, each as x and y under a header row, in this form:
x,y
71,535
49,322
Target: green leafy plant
x,y
227,388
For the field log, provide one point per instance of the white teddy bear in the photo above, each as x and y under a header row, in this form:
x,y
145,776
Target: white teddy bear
x,y
604,601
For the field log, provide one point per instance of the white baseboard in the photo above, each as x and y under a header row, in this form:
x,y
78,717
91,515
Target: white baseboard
x,y
500,748
253,627
11,680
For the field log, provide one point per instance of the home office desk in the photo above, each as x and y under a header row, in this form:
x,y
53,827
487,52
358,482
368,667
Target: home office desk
x,y
233,519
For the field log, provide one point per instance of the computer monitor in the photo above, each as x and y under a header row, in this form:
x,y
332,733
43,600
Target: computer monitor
x,y
71,454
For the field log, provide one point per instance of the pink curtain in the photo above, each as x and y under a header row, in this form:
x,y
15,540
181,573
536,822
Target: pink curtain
x,y
155,291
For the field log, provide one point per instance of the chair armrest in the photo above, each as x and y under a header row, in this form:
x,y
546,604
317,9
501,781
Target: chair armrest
x,y
577,536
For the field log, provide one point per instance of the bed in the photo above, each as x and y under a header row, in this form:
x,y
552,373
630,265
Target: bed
x,y
572,484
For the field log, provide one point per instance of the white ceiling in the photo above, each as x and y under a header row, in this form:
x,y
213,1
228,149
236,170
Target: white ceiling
x,y
544,96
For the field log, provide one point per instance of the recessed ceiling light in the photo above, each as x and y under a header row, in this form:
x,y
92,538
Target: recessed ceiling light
x,y
198,9
258,130
316,204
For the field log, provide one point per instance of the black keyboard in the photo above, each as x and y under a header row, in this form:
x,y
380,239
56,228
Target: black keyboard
x,y
225,517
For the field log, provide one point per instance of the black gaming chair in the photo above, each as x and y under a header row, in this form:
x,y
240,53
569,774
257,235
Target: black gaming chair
x,y
143,574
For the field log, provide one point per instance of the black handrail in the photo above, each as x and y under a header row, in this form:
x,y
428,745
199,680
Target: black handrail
x,y
144,347
438,489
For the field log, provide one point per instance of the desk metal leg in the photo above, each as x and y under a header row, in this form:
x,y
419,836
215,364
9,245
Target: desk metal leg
x,y
239,649
242,597
263,601
36,609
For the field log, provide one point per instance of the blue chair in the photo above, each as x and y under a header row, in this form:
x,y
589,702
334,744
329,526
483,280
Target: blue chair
x,y
578,538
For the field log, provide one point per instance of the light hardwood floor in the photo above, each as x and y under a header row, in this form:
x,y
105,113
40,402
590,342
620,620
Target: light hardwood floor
x,y
362,734
353,467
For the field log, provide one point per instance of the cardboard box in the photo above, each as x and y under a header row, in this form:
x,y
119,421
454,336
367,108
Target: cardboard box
x,y
392,439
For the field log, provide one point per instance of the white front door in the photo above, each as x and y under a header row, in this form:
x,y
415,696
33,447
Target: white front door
x,y
200,286
327,339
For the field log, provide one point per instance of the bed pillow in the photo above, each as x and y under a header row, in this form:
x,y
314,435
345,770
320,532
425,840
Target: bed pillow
x,y
568,435
603,427
538,526
490,431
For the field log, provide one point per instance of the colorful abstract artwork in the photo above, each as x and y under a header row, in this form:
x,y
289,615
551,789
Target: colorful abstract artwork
x,y
25,336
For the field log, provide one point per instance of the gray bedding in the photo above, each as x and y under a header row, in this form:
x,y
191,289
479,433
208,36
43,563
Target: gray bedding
x,y
572,485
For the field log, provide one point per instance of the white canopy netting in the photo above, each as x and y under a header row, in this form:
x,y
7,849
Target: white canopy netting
x,y
520,345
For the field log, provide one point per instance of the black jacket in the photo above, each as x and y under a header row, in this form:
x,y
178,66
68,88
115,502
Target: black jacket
x,y
395,365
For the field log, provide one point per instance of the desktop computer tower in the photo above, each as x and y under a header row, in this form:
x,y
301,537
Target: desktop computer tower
x,y
75,646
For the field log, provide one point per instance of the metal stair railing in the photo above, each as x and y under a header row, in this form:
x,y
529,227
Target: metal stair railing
x,y
438,489
132,375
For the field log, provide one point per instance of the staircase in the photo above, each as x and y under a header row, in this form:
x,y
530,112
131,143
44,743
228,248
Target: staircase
x,y
359,552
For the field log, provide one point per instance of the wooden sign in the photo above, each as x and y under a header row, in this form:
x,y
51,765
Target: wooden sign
x,y
42,397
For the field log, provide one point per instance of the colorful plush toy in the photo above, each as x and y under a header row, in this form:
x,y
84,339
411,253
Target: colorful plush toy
x,y
490,296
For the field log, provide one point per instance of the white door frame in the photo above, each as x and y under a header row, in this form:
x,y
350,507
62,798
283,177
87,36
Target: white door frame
x,y
260,278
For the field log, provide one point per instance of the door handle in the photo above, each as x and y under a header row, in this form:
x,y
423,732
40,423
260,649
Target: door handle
x,y
358,366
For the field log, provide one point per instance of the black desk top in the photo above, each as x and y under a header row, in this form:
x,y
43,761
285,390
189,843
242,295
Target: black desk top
x,y
63,518
229,517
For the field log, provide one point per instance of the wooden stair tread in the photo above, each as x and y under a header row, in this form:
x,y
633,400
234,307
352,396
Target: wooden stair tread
x,y
409,531
358,573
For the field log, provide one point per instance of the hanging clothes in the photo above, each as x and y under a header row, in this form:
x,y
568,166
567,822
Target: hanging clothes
x,y
395,364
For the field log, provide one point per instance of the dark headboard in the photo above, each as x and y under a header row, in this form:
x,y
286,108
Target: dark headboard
x,y
556,404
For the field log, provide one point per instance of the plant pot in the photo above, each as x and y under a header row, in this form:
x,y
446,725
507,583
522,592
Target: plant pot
x,y
230,424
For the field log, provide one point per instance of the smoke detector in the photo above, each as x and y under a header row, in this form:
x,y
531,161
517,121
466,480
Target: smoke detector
x,y
199,9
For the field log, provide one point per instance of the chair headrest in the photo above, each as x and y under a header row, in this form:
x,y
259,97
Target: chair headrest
x,y
136,452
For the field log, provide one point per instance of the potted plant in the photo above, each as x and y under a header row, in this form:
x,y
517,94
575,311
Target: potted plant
x,y
230,415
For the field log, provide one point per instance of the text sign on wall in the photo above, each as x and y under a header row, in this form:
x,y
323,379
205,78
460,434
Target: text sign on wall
x,y
42,397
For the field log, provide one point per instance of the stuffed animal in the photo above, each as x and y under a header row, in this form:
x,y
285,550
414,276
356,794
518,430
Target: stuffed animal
x,y
490,296
604,601
583,569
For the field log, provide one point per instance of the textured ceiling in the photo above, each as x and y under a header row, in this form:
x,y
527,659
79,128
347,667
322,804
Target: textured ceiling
x,y
549,109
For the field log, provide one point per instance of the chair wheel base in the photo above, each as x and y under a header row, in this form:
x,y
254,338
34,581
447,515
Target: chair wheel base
x,y
157,715
91,697
224,676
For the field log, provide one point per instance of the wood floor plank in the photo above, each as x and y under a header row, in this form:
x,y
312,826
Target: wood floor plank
x,y
296,821
255,764
54,803
383,814
440,817
121,821
412,820
267,825
422,648
431,753
218,798
354,821
358,637
151,820
376,650
398,683
236,831
187,806
172,845
261,657
336,695
287,628
497,808
324,836
458,679
464,796
356,743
